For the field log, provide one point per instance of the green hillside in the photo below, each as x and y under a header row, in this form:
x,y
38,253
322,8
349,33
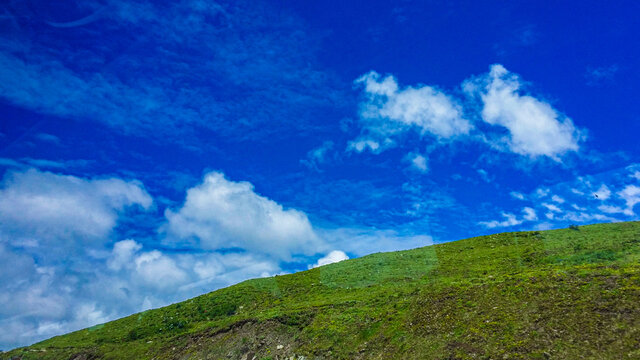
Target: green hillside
x,y
560,294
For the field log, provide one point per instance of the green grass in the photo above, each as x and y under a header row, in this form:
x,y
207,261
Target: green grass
x,y
571,293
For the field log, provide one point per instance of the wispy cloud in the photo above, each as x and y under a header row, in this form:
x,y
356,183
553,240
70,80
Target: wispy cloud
x,y
600,75
229,68
517,195
26,163
319,156
418,162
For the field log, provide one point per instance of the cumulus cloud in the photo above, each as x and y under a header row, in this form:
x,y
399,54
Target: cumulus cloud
x,y
122,254
389,110
220,213
535,127
332,257
45,205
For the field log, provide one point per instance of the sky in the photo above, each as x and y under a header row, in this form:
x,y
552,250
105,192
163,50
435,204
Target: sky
x,y
154,151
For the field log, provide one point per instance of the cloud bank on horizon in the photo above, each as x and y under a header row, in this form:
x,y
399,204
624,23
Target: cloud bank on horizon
x,y
152,151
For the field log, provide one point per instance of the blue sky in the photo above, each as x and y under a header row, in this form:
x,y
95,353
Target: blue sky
x,y
153,151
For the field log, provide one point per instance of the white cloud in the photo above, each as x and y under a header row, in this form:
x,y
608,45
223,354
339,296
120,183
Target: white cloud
x,y
611,209
552,207
579,208
484,175
529,214
576,191
318,156
46,295
122,254
52,139
542,192
636,175
631,195
224,214
599,75
50,206
162,273
140,102
510,220
418,162
362,144
158,270
231,268
333,257
544,226
42,301
584,217
364,241
26,163
517,195
52,232
603,193
574,202
390,110
535,127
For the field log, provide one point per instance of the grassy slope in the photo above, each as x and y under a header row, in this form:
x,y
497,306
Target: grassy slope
x,y
550,294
